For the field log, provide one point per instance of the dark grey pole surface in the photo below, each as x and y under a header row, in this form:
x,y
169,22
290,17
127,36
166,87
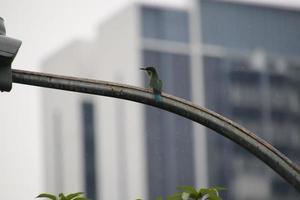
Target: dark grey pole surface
x,y
248,140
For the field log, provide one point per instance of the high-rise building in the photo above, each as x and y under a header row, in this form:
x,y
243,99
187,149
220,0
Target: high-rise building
x,y
238,59
251,75
122,150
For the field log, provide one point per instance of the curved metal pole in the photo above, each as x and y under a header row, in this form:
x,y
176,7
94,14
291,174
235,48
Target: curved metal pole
x,y
238,134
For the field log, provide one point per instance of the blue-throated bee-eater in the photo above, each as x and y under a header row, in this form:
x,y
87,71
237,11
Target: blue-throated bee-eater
x,y
155,83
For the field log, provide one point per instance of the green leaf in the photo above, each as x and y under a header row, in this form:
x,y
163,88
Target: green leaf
x,y
81,198
46,195
185,196
62,196
203,191
188,189
219,188
176,196
213,194
215,198
73,195
159,198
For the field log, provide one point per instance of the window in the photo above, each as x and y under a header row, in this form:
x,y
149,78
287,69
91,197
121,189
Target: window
x,y
88,132
165,24
169,140
246,27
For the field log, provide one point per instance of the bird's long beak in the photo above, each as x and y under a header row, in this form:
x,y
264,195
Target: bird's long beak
x,y
142,68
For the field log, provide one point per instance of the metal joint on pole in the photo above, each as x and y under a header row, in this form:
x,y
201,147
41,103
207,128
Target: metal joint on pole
x,y
8,50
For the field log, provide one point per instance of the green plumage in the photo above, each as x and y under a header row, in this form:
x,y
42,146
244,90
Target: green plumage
x,y
155,83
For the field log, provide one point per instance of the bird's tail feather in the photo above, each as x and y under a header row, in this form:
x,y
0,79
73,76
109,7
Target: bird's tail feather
x,y
157,97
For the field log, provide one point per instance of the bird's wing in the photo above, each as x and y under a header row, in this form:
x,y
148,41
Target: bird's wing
x,y
160,84
157,86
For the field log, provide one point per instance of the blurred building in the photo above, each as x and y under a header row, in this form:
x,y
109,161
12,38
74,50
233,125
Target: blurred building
x,y
251,75
122,150
236,59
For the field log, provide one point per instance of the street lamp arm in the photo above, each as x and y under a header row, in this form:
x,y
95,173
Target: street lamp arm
x,y
227,128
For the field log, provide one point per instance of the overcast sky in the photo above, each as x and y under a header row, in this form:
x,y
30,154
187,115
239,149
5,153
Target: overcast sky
x,y
44,26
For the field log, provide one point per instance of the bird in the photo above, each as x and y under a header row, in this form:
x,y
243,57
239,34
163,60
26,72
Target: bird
x,y
155,83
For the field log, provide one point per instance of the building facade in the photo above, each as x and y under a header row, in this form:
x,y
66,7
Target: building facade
x,y
237,59
123,150
250,54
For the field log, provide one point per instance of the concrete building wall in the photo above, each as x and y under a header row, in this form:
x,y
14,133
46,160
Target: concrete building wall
x,y
62,132
113,55
120,47
116,57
